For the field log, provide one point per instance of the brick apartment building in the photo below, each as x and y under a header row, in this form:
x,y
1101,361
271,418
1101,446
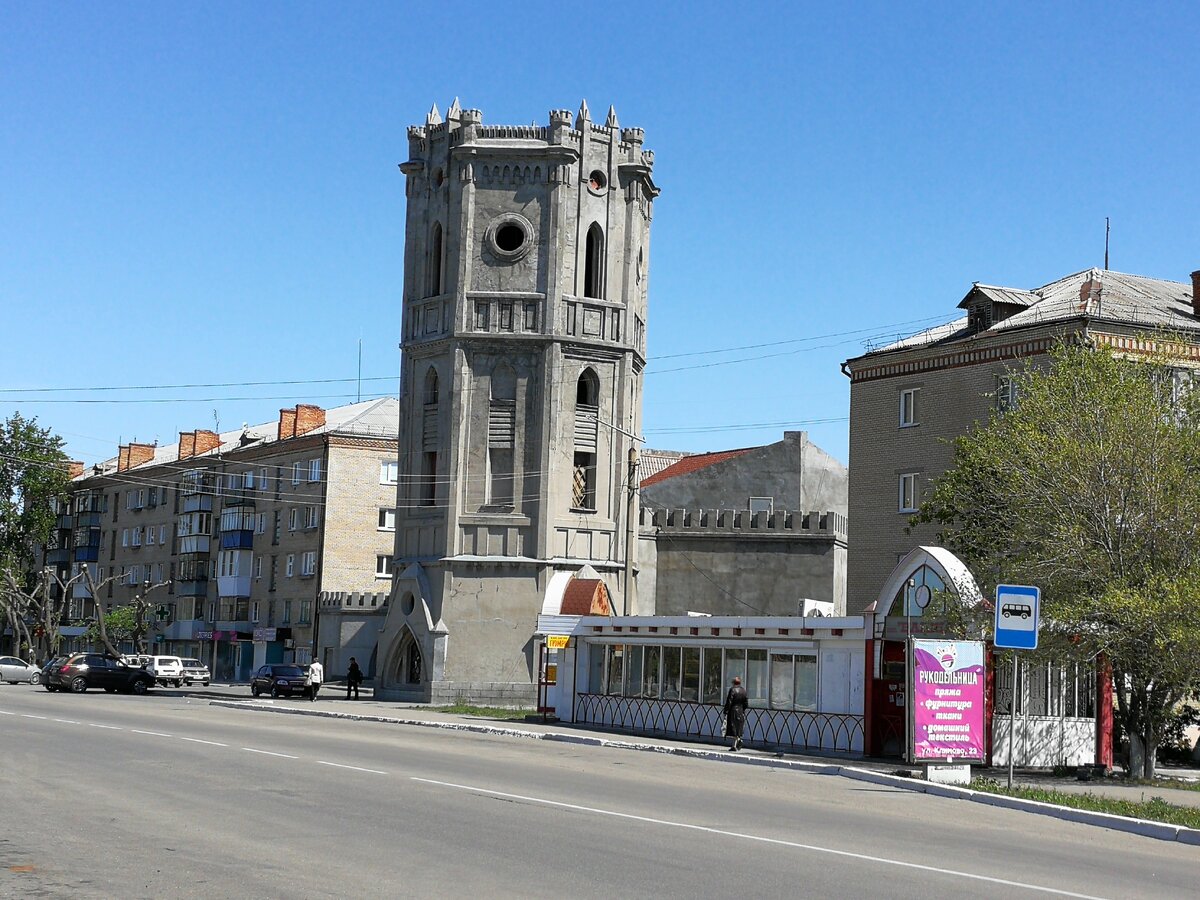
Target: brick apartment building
x,y
243,539
908,400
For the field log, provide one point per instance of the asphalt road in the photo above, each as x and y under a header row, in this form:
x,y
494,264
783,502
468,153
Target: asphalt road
x,y
165,796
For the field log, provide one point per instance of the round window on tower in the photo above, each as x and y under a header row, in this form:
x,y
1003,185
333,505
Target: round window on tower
x,y
597,182
509,237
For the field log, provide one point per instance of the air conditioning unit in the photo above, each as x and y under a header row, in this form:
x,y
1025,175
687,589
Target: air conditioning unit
x,y
817,609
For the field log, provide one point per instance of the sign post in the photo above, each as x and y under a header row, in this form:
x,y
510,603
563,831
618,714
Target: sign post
x,y
1018,612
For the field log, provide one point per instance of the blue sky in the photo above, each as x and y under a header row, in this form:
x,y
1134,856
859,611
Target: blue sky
x,y
208,193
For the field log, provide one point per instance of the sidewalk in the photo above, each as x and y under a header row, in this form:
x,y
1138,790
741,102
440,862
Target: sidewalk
x,y
332,703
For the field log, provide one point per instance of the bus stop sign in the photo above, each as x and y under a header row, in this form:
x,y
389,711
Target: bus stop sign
x,y
1018,607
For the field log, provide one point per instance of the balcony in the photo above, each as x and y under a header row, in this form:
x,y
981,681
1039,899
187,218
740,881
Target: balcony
x,y
197,503
237,540
87,554
194,543
58,557
65,523
87,520
197,587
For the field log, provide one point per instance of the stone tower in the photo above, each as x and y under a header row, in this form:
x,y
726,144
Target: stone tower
x,y
523,345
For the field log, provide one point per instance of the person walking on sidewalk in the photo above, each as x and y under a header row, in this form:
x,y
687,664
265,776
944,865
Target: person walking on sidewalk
x,y
354,678
316,675
736,702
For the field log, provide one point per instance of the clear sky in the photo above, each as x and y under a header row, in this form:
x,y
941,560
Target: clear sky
x,y
208,193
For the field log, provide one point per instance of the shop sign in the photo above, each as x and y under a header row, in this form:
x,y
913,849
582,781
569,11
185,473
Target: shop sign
x,y
204,635
557,641
264,635
948,686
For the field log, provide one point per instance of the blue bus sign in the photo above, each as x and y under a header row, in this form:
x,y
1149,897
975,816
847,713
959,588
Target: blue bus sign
x,y
1018,608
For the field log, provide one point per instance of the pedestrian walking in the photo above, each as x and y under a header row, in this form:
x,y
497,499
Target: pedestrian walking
x,y
354,678
316,675
736,702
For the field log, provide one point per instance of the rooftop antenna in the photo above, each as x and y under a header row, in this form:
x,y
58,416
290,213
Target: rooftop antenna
x,y
1106,243
359,400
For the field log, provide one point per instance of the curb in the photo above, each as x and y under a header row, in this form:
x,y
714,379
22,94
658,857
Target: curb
x,y
1158,830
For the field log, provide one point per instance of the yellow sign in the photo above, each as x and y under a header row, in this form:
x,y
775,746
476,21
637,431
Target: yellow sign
x,y
557,641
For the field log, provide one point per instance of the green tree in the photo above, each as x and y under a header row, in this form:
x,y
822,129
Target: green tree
x,y
1090,489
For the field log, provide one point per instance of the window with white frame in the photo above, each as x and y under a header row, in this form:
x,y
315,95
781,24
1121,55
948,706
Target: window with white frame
x,y
305,612
260,523
290,567
258,566
314,470
150,536
909,498
383,566
124,537
162,533
262,480
287,612
297,468
136,537
1006,392
387,519
254,611
908,407
310,517
308,563
389,472
293,518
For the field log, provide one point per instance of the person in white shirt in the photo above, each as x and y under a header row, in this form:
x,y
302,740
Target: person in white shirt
x,y
316,675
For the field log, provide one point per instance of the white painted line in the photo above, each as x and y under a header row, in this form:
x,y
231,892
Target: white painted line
x,y
765,840
198,741
112,727
6,713
28,716
269,753
67,721
355,768
151,733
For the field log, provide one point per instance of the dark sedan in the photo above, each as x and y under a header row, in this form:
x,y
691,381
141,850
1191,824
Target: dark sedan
x,y
278,680
94,670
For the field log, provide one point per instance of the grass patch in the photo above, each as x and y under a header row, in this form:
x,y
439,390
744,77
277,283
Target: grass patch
x,y
1156,809
1172,784
483,712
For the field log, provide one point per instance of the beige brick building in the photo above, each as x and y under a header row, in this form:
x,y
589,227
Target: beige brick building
x,y
910,399
244,539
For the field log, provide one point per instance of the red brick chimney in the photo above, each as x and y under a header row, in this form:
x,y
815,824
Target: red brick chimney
x,y
74,468
308,417
206,441
122,458
287,424
130,455
187,444
1196,292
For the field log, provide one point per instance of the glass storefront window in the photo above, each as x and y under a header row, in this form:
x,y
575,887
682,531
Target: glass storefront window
x,y
616,669
650,672
735,666
756,677
670,679
633,670
805,693
782,680
712,675
596,655
691,674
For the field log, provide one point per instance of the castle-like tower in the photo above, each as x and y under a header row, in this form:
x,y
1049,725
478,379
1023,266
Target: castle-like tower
x,y
524,340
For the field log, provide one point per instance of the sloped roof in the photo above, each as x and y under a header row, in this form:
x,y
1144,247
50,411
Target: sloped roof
x,y
586,597
694,463
651,462
1097,294
369,418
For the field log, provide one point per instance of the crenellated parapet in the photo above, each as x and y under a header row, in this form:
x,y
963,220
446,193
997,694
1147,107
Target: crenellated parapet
x,y
718,522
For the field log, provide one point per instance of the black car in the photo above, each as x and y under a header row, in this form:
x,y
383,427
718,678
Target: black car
x,y
95,670
52,665
279,680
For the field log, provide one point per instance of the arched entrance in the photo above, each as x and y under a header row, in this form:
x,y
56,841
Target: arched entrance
x,y
409,666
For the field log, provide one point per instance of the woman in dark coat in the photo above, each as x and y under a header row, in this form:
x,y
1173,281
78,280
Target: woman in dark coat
x,y
736,702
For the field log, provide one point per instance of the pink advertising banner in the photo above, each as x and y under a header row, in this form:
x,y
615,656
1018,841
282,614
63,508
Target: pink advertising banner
x,y
948,700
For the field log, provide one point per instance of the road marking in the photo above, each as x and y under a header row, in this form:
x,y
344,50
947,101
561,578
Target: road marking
x,y
269,753
67,721
113,727
151,733
764,840
355,768
28,716
198,741
6,713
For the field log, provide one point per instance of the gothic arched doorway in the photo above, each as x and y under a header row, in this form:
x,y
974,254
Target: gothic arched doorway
x,y
409,668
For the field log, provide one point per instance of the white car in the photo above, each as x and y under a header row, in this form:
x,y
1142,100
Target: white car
x,y
17,670
195,671
166,669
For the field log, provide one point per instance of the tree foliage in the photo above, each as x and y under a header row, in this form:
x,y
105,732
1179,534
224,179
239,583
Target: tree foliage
x,y
33,472
1090,489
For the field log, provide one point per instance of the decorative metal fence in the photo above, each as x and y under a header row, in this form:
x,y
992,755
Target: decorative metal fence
x,y
789,729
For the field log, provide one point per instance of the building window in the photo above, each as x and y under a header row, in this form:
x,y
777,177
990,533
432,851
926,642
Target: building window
x,y
308,563
389,472
593,267
124,537
136,538
293,518
387,519
287,612
254,611
429,478
583,482
531,317
762,504
908,407
435,260
258,567
314,470
290,565
383,566
260,523
481,315
310,517
583,472
150,536
297,468
909,496
1006,392
305,612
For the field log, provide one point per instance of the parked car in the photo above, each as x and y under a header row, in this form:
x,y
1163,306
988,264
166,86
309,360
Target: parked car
x,y
278,680
196,671
94,670
52,664
17,670
166,669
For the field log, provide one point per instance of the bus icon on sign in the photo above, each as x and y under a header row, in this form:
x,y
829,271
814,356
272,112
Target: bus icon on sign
x,y
1017,613
1020,610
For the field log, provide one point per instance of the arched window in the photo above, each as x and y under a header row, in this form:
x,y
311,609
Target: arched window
x,y
593,266
587,411
435,260
431,387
